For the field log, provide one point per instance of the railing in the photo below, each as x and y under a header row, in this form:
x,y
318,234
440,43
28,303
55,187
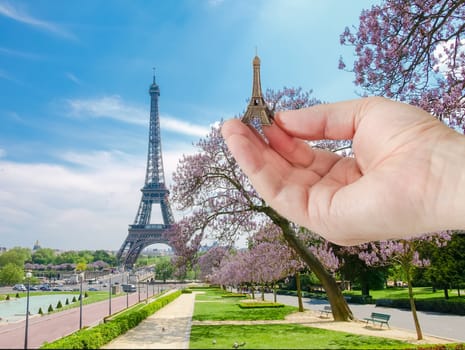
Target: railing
x,y
149,226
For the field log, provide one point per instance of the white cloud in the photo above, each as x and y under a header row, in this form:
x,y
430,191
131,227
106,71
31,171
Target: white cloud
x,y
2,152
182,127
73,78
107,107
22,16
87,204
20,54
7,76
114,107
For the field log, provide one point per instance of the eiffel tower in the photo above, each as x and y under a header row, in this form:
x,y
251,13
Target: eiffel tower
x,y
257,107
142,232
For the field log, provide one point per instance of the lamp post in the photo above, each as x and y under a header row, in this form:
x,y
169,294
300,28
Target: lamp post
x,y
138,287
127,291
28,277
147,293
109,297
81,275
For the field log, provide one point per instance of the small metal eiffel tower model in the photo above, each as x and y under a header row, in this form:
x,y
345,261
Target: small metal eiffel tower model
x,y
142,232
257,107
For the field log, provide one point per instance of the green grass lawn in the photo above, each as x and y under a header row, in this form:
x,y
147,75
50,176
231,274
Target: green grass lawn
x,y
230,310
284,336
213,307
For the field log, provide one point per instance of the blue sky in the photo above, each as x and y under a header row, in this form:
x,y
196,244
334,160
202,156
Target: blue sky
x,y
74,103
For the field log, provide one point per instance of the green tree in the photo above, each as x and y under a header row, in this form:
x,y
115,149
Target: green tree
x,y
11,274
361,275
70,257
44,256
85,255
163,269
16,255
447,264
81,266
104,256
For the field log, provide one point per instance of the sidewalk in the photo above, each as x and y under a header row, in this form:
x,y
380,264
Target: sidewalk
x,y
168,328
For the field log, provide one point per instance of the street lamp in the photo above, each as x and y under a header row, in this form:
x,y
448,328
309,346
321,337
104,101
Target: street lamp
x,y
138,287
28,277
127,291
109,296
147,293
81,275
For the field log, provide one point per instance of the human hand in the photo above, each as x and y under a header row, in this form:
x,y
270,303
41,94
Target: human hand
x,y
407,176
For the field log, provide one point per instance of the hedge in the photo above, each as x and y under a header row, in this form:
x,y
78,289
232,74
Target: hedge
x,y
252,305
234,295
305,294
444,306
360,299
96,337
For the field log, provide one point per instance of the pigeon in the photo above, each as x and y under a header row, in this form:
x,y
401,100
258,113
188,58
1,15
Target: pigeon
x,y
214,341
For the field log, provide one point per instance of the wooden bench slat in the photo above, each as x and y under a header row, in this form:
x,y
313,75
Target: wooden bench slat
x,y
378,317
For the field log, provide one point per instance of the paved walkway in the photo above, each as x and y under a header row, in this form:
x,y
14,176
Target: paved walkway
x,y
168,328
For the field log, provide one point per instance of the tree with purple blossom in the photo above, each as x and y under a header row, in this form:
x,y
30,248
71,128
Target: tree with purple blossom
x,y
413,51
211,260
223,205
405,254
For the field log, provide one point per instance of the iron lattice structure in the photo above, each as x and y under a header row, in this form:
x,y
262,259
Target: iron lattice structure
x,y
257,108
142,232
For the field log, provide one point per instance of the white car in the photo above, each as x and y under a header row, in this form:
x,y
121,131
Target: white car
x,y
20,287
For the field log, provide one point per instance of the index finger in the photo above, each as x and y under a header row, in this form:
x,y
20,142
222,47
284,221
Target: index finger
x,y
333,121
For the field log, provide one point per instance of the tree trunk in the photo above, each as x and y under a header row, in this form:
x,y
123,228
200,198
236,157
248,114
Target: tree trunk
x,y
412,305
274,292
446,292
299,291
339,306
365,288
263,292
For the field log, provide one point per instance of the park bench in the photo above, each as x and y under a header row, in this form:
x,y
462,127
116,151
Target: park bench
x,y
326,310
377,317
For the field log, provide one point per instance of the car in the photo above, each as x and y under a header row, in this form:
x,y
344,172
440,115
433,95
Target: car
x,y
57,289
92,289
33,288
104,285
19,287
45,287
129,288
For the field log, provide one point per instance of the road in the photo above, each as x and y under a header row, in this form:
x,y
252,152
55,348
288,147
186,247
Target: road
x,y
432,323
59,324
